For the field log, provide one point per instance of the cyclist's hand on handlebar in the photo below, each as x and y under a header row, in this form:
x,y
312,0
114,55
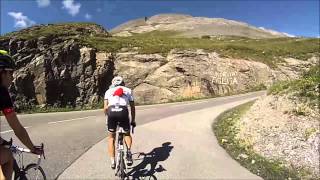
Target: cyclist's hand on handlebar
x,y
37,150
133,123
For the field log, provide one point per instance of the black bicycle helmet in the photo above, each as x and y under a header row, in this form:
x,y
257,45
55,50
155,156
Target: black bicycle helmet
x,y
6,61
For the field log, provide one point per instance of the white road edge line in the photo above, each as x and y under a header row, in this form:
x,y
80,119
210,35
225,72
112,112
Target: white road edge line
x,y
68,120
4,132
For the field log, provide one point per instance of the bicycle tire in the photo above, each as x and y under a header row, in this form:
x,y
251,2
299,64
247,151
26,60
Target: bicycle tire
x,y
28,171
122,167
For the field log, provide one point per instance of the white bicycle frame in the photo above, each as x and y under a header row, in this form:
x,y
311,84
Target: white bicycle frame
x,y
120,149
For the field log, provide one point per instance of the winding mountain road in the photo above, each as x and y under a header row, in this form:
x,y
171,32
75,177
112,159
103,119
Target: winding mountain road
x,y
176,137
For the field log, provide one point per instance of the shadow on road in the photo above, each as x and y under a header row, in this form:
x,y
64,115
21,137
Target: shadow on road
x,y
150,162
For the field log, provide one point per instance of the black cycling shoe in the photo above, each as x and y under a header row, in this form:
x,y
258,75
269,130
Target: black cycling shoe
x,y
129,158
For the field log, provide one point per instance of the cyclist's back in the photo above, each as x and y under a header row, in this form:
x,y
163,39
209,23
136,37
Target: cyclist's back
x,y
118,95
116,101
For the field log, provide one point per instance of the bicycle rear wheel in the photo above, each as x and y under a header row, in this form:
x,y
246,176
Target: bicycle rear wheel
x,y
34,173
122,168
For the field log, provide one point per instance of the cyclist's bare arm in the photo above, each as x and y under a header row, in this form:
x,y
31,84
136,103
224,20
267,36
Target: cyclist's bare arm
x,y
105,107
19,130
133,111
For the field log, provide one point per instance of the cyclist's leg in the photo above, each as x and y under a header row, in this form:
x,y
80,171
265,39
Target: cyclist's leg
x,y
112,126
127,137
125,124
6,162
128,140
111,147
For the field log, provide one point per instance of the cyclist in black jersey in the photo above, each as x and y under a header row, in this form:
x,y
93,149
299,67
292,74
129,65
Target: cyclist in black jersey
x,y
6,106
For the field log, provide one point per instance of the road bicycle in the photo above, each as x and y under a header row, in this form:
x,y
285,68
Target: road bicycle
x,y
121,167
32,171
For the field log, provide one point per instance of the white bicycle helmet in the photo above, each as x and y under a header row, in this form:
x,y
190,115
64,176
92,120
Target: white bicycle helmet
x,y
117,81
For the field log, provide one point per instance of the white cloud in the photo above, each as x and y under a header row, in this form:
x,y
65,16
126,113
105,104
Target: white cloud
x,y
88,16
276,32
21,21
72,7
43,3
289,35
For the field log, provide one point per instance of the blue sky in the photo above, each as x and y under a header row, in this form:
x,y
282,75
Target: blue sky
x,y
296,17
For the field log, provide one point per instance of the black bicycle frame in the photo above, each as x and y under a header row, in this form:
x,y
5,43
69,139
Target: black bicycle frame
x,y
18,173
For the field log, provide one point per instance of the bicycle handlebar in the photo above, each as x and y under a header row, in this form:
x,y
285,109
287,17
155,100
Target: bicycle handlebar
x,y
9,145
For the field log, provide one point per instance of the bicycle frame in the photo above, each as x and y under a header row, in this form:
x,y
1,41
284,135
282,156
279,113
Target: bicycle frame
x,y
19,169
120,152
18,151
122,173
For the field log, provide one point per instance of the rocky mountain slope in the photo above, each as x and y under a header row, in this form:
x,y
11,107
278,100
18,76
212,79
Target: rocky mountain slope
x,y
189,26
73,64
285,125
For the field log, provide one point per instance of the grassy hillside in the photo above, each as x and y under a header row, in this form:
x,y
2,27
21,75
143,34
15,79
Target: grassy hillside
x,y
62,30
307,88
269,51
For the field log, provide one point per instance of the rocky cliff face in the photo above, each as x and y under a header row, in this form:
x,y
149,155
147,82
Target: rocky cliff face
x,y
196,73
58,71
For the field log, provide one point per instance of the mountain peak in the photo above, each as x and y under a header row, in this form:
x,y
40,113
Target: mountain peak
x,y
190,26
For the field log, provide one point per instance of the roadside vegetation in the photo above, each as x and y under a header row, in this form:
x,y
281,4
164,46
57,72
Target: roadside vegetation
x,y
306,89
226,130
38,109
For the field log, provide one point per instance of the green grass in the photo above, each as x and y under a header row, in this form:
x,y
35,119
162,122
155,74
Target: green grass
x,y
29,109
226,130
62,30
36,109
307,88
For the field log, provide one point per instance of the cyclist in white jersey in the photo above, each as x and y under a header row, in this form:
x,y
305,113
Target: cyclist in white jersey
x,y
116,101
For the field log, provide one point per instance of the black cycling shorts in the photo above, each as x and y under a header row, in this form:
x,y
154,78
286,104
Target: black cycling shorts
x,y
118,116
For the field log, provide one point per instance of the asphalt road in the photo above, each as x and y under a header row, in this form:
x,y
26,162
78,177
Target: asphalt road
x,y
69,135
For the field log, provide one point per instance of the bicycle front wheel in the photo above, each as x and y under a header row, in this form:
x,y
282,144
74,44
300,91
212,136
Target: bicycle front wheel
x,y
34,173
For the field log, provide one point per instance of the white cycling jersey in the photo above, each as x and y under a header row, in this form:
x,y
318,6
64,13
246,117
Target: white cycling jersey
x,y
116,100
